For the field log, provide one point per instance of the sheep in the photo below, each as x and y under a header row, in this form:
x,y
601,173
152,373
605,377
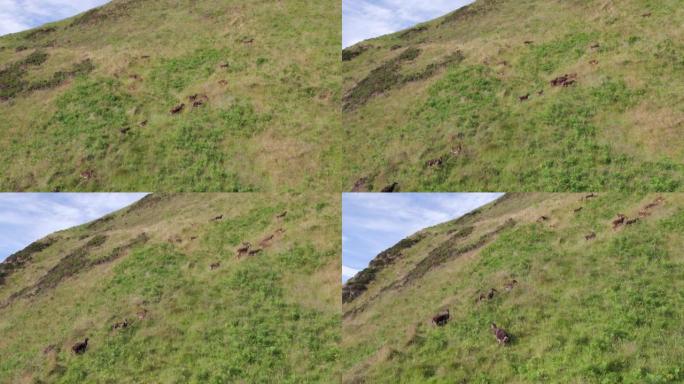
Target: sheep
x,y
501,336
215,265
619,221
510,285
590,236
243,249
80,347
441,318
177,109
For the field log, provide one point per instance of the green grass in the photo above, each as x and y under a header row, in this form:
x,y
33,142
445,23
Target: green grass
x,y
601,311
614,129
268,74
241,322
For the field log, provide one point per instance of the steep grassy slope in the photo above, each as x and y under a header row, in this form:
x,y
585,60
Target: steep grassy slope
x,y
465,102
86,103
270,317
606,308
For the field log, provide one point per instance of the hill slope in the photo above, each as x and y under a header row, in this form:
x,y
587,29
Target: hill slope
x,y
197,313
86,103
601,308
468,101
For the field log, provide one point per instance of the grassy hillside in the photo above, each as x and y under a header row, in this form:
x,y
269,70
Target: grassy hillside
x,y
601,308
86,103
466,102
270,317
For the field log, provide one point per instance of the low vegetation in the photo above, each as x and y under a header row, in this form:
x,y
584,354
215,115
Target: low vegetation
x,y
583,296
86,102
161,295
494,119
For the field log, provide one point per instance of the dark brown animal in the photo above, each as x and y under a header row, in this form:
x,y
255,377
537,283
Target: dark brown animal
x,y
524,98
198,100
528,42
243,249
590,236
254,252
224,65
501,335
142,314
565,80
80,347
360,185
578,209
215,265
632,221
648,14
441,318
193,238
510,285
491,293
619,221
217,218
87,175
120,324
177,109
143,123
390,188
265,241
434,162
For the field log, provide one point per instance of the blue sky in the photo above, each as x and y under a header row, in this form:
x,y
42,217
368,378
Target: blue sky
x,y
20,15
364,19
373,222
27,217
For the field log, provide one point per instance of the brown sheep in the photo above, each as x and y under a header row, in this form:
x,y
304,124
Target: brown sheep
x,y
80,347
215,265
441,318
510,285
619,221
501,336
177,109
590,236
244,249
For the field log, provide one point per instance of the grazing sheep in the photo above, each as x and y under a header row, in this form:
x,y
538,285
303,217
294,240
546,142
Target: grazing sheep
x,y
528,42
524,97
491,293
590,236
215,265
177,109
441,318
619,221
265,242
434,162
80,347
631,221
142,314
510,285
390,188
243,249
501,335
120,324
217,218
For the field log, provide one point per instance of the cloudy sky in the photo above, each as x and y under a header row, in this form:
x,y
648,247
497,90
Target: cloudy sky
x,y
373,222
20,15
363,19
27,217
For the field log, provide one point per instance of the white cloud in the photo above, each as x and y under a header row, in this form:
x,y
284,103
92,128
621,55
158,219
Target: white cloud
x,y
19,15
27,217
364,19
